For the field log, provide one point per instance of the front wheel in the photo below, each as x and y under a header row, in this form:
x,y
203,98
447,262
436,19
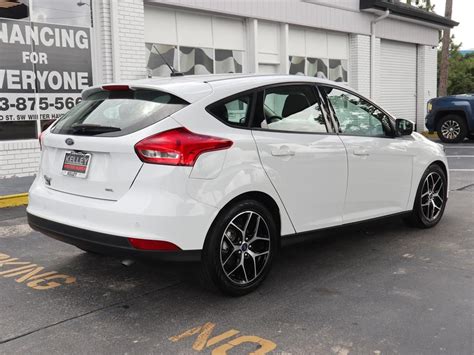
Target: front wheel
x,y
431,198
240,248
452,129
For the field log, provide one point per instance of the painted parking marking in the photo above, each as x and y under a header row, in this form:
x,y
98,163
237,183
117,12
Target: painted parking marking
x,y
32,274
461,147
203,340
460,156
461,169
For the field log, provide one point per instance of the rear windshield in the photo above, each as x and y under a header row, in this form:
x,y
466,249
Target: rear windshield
x,y
117,113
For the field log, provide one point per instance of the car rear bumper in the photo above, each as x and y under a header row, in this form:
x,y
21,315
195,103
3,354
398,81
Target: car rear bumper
x,y
105,243
152,209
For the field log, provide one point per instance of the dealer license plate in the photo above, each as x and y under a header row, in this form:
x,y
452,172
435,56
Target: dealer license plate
x,y
76,164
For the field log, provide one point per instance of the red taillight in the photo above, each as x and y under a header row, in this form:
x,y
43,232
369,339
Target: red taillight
x,y
116,87
147,244
178,147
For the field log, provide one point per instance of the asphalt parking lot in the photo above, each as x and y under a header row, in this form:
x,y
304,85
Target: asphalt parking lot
x,y
376,288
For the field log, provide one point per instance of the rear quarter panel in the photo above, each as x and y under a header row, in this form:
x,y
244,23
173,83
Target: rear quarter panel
x,y
219,177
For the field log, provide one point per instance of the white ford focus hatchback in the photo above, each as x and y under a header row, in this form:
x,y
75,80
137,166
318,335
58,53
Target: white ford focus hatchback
x,y
222,168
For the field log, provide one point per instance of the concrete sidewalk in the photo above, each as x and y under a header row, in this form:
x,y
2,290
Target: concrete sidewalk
x,y
14,191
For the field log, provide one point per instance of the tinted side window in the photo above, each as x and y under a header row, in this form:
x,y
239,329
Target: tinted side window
x,y
234,112
292,108
357,116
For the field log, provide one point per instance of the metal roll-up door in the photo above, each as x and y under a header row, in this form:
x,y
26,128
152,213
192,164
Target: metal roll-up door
x,y
398,79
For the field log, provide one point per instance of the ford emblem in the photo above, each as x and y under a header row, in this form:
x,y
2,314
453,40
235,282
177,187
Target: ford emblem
x,y
69,141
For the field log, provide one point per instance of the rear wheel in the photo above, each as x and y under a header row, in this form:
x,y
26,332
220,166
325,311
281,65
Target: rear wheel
x,y
240,248
451,129
431,198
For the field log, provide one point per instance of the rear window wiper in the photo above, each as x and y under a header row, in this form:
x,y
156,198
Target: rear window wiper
x,y
91,129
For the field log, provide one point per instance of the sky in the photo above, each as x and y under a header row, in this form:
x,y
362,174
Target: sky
x,y
463,12
65,12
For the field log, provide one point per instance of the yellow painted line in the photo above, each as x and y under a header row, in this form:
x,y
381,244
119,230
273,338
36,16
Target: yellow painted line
x,y
203,340
430,135
13,200
32,274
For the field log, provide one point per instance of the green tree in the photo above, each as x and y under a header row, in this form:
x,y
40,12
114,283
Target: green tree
x,y
422,4
461,70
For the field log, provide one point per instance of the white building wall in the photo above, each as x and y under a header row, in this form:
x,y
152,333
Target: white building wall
x,y
377,72
103,38
426,81
19,158
130,26
269,47
404,31
120,37
336,15
359,63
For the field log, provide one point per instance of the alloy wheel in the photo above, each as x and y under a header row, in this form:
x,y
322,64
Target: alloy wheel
x,y
432,196
450,129
245,247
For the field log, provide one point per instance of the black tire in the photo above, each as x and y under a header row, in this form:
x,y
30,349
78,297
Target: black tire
x,y
471,136
418,216
451,128
223,253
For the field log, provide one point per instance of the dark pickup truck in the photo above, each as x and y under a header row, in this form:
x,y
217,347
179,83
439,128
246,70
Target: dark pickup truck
x,y
452,117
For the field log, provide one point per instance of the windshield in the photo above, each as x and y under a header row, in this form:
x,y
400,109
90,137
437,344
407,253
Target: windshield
x,y
117,113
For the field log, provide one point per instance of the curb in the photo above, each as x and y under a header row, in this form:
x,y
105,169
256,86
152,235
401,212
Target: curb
x,y
14,200
429,135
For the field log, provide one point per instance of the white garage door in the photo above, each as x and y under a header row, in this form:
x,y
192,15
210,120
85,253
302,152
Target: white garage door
x,y
398,79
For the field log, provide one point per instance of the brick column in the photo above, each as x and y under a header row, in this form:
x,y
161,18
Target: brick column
x,y
359,63
120,34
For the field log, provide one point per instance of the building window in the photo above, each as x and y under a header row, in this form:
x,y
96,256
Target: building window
x,y
297,65
17,130
317,67
338,70
46,62
156,55
332,69
192,60
228,61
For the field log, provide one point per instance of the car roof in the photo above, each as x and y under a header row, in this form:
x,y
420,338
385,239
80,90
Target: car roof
x,y
194,87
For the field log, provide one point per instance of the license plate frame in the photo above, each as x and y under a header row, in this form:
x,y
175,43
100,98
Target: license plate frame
x,y
76,164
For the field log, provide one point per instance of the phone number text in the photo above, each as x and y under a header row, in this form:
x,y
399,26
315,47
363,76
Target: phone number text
x,y
41,103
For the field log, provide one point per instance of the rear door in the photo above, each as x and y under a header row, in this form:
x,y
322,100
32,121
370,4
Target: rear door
x,y
305,161
380,165
90,151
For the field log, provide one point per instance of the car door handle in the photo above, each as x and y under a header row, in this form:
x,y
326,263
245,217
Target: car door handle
x,y
283,151
361,152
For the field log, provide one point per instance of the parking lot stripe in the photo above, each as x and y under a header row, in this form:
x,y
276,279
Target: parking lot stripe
x,y
460,156
13,200
461,169
461,147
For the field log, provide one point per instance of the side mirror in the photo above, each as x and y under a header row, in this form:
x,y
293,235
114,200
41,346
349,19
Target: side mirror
x,y
404,127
